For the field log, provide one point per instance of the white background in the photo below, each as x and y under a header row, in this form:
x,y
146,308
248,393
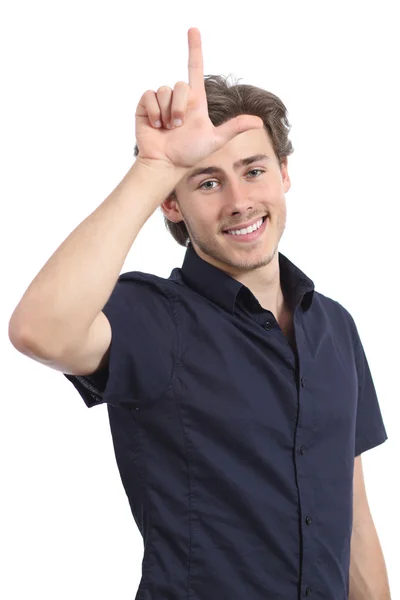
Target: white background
x,y
72,74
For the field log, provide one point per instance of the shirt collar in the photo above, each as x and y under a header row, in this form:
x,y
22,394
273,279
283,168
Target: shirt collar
x,y
222,289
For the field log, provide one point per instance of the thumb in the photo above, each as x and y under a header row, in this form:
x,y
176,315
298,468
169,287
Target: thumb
x,y
227,131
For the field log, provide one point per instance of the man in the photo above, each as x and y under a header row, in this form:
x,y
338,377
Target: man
x,y
239,398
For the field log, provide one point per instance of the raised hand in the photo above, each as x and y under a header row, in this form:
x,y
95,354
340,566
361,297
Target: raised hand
x,y
186,145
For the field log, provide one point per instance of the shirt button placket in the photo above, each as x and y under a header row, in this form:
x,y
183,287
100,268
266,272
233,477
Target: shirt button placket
x,y
267,326
302,383
307,519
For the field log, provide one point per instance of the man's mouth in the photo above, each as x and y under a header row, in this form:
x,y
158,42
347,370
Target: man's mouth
x,y
246,229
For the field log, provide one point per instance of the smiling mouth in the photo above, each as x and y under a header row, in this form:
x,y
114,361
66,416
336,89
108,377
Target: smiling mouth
x,y
230,229
238,228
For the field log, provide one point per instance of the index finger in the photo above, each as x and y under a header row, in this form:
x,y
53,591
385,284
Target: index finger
x,y
195,64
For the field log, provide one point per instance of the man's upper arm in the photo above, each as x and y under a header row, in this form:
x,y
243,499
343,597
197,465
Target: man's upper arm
x,y
90,355
361,511
142,351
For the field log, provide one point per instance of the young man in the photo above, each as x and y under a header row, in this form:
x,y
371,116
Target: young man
x,y
240,399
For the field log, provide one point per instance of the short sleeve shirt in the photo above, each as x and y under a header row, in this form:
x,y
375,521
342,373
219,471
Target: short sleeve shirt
x,y
236,450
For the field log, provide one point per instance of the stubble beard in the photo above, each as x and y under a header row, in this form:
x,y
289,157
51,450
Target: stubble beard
x,y
211,248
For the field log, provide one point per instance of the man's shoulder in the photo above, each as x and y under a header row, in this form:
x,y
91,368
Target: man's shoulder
x,y
140,276
332,312
331,304
149,283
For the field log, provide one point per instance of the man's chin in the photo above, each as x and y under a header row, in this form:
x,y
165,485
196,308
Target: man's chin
x,y
239,261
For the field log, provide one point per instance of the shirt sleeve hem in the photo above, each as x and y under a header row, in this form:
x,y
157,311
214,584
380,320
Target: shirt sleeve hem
x,y
366,443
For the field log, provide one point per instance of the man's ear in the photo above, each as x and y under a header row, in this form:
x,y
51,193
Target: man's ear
x,y
285,175
171,209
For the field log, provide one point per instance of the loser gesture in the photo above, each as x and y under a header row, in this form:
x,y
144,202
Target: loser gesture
x,y
185,145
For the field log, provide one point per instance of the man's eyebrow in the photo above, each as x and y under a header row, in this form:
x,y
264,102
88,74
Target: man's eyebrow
x,y
243,162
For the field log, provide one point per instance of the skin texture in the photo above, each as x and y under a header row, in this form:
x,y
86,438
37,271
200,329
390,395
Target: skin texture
x,y
237,197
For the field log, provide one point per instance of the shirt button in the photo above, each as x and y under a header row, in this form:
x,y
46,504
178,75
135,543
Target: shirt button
x,y
308,520
308,592
303,382
268,325
302,450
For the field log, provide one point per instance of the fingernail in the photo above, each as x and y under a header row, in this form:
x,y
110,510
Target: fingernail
x,y
177,122
157,123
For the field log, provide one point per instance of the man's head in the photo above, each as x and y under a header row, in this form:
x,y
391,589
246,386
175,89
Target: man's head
x,y
199,212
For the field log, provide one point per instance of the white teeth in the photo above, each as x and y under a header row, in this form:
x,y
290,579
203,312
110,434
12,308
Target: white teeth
x,y
247,230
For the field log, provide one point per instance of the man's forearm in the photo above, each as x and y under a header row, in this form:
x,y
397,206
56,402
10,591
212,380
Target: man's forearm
x,y
368,575
67,294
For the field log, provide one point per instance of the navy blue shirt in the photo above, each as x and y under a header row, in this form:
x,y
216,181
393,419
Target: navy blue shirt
x,y
236,451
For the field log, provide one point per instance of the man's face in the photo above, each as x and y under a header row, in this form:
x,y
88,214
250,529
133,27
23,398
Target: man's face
x,y
209,204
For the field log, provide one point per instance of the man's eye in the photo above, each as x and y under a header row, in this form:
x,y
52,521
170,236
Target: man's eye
x,y
212,181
